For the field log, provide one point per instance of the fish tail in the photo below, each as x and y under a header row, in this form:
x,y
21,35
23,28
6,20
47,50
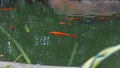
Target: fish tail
x,y
74,36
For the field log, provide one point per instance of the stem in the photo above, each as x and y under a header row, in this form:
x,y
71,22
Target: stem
x,y
17,45
73,54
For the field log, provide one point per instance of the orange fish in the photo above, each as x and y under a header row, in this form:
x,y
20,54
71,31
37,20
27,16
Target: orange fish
x,y
5,9
11,26
63,34
74,18
105,19
64,23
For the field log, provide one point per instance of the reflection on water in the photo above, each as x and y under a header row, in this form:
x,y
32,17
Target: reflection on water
x,y
42,48
41,40
9,47
85,7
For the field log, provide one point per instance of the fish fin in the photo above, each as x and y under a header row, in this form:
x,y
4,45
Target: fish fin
x,y
74,36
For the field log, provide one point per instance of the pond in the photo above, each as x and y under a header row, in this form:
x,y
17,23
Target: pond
x,y
30,25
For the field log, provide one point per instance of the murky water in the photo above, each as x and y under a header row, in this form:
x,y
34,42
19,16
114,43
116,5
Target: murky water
x,y
30,26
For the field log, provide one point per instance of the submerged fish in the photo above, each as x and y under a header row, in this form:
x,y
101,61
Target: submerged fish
x,y
63,34
5,9
11,26
64,23
105,18
74,18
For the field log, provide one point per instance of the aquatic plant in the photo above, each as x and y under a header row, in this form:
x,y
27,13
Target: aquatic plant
x,y
16,44
94,61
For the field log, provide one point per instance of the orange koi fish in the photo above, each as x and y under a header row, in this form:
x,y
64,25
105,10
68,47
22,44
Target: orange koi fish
x,y
63,34
105,19
74,18
5,9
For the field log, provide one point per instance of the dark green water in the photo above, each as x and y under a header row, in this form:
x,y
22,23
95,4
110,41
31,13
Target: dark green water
x,y
43,48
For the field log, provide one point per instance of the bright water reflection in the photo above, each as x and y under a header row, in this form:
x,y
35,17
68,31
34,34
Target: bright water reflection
x,y
41,40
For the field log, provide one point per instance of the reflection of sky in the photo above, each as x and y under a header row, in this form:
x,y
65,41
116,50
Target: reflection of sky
x,y
41,40
9,47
